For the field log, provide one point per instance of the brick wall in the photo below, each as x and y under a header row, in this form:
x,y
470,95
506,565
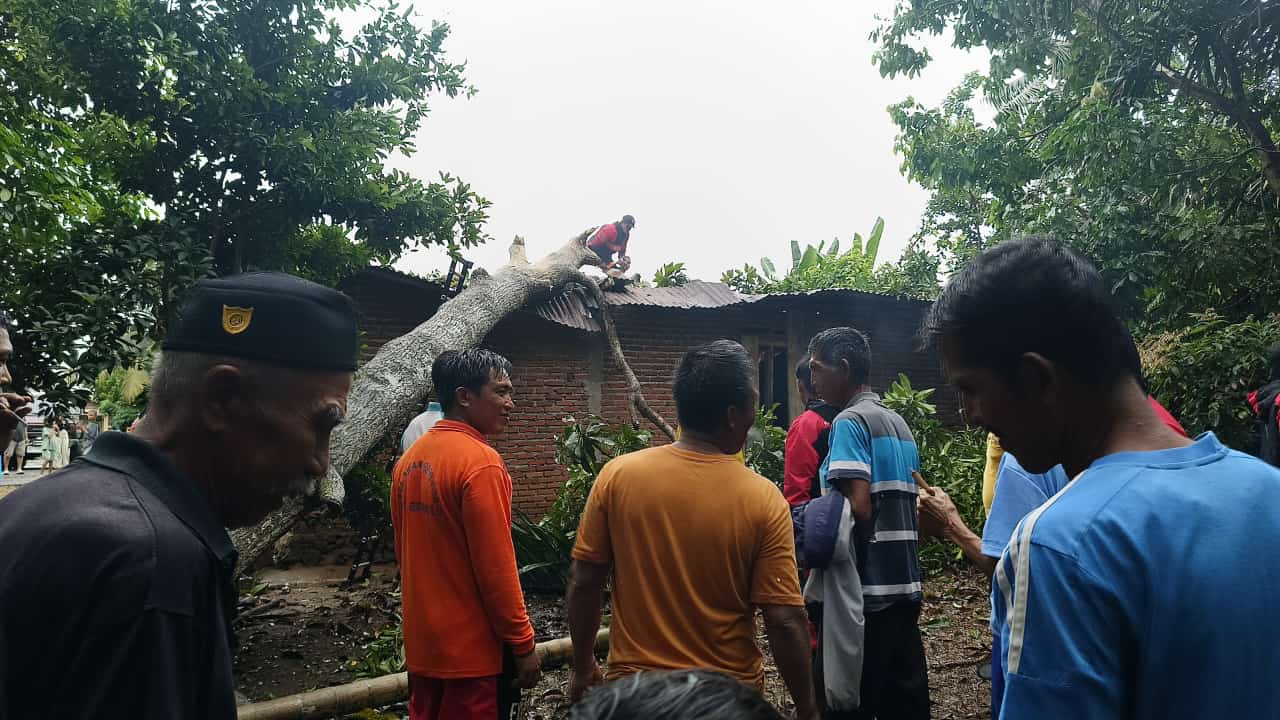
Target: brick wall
x,y
389,305
552,371
653,341
550,368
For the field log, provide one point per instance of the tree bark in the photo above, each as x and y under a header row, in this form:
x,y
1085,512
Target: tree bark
x,y
381,691
388,389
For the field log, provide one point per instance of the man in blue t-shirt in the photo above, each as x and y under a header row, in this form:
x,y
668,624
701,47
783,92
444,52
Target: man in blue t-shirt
x,y
1131,593
1017,493
871,461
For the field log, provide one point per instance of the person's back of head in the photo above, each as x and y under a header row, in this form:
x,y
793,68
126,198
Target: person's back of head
x,y
678,695
1034,296
1030,338
715,393
804,377
1273,361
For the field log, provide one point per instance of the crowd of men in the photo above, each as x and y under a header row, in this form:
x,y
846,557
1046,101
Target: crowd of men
x,y
1124,581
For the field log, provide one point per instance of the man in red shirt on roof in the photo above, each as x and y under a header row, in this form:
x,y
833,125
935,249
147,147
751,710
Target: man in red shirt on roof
x,y
610,239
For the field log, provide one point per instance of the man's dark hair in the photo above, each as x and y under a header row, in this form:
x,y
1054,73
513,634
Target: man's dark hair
x,y
1273,359
469,369
1033,295
708,380
844,343
803,374
4,320
678,695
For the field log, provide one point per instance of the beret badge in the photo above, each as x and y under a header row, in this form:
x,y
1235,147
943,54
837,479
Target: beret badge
x,y
235,320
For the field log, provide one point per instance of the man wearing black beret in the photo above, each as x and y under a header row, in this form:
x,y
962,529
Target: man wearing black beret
x,y
116,574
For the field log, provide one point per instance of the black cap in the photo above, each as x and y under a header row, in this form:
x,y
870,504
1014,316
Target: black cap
x,y
628,220
270,317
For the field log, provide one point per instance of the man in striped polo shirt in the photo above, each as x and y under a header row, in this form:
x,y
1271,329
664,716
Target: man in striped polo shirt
x,y
871,461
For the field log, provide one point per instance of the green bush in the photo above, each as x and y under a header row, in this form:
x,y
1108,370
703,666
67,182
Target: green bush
x,y
765,446
583,449
1202,373
950,459
368,485
542,548
542,553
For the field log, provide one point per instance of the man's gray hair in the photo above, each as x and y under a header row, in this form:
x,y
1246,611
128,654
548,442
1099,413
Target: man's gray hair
x,y
176,377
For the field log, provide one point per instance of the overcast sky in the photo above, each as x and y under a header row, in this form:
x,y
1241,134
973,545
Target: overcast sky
x,y
726,128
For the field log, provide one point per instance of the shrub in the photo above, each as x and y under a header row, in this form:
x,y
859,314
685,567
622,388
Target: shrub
x,y
368,484
542,548
1202,373
583,449
950,459
765,446
542,553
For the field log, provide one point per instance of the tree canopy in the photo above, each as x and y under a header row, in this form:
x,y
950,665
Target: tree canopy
x,y
1142,135
148,144
1139,133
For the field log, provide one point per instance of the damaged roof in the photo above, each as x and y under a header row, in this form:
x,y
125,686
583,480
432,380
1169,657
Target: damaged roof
x,y
575,307
693,294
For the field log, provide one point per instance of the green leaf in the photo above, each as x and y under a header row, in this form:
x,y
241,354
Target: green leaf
x,y
767,266
873,240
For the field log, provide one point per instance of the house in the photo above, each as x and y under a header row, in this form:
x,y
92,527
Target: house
x,y
563,367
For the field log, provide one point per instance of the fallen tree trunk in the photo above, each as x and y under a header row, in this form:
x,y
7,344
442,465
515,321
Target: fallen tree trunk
x,y
388,389
380,691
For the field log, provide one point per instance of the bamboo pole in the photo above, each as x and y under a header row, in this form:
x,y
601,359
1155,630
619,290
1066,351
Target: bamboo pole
x,y
380,691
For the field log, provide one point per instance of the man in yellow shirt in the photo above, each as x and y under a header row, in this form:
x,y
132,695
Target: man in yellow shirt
x,y
992,469
697,543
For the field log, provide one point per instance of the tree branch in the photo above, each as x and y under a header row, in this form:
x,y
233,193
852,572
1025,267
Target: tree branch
x,y
1238,110
1265,147
635,395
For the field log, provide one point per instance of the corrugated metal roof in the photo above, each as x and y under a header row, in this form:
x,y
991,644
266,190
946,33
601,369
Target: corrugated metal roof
x,y
828,293
573,308
693,294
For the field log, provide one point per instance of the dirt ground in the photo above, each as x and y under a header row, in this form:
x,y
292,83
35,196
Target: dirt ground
x,y
301,631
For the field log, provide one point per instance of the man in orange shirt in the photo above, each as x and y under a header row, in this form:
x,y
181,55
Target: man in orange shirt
x,y
463,609
697,542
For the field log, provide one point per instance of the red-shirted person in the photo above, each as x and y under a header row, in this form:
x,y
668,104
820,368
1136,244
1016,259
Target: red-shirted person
x,y
466,631
807,442
612,238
